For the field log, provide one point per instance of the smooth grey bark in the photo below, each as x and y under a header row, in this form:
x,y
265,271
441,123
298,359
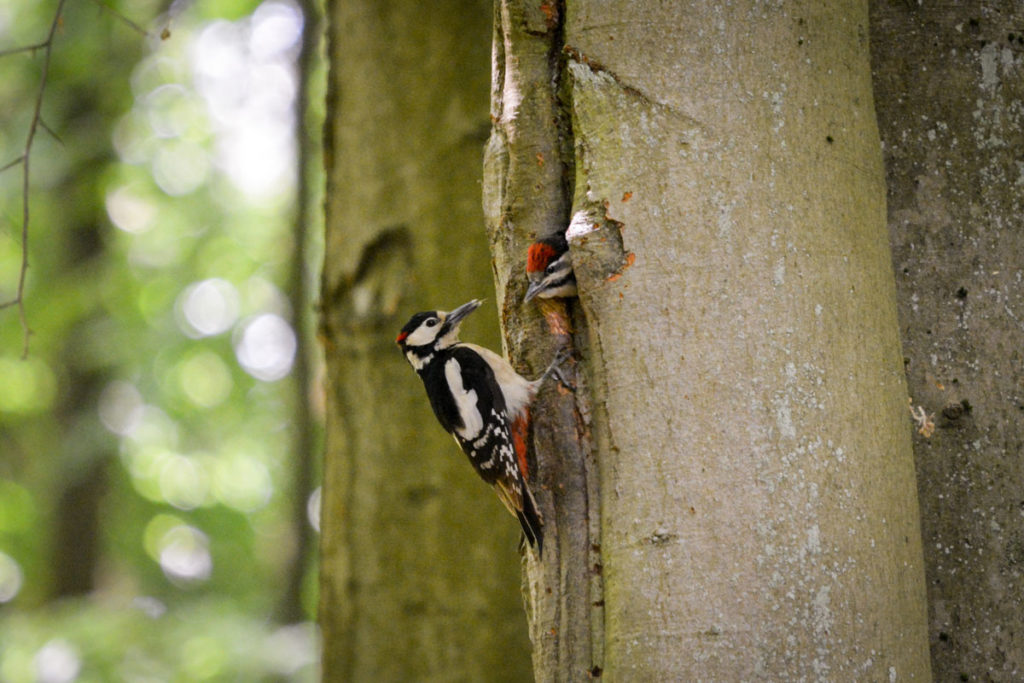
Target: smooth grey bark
x,y
419,571
738,335
949,83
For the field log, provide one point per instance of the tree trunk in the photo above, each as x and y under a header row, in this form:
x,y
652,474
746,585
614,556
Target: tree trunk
x,y
419,570
527,174
950,81
78,249
738,333
291,607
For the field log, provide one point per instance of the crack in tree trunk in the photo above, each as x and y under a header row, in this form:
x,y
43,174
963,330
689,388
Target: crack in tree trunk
x,y
528,174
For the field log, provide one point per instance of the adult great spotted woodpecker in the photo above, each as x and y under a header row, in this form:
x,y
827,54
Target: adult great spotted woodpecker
x,y
481,401
549,269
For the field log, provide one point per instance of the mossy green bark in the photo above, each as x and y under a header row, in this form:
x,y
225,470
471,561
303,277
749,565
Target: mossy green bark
x,y
419,573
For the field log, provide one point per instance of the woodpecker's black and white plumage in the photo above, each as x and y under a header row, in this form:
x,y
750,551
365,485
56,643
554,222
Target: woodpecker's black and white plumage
x,y
480,400
549,269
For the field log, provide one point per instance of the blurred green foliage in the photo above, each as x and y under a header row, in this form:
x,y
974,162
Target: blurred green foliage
x,y
156,395
211,640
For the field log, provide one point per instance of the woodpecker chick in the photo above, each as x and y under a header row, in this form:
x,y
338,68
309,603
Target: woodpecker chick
x,y
549,269
481,401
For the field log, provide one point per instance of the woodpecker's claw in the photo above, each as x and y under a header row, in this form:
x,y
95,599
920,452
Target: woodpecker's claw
x,y
553,369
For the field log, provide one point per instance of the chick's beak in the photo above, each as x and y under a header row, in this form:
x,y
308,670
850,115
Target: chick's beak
x,y
533,290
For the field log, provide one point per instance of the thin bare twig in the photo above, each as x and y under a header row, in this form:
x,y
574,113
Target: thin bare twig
x,y
11,164
23,48
135,27
42,124
47,47
37,122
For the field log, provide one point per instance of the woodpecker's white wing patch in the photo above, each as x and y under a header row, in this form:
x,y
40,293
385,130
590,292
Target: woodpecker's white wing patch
x,y
516,389
465,401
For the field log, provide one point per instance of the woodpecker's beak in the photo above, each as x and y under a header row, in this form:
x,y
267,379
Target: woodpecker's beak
x,y
456,316
535,288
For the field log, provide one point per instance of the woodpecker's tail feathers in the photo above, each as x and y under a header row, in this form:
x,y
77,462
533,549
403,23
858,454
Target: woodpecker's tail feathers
x,y
519,500
531,521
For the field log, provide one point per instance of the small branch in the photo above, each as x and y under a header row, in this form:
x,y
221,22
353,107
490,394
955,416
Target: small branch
x,y
135,27
42,124
11,164
24,48
35,124
47,47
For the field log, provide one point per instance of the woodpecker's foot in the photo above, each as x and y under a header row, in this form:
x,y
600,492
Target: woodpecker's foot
x,y
554,369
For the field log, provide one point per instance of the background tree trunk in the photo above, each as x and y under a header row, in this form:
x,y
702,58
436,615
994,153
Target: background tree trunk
x,y
419,564
949,82
81,104
291,607
758,516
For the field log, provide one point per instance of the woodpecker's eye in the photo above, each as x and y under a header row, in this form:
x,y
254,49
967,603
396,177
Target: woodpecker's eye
x,y
550,269
432,321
